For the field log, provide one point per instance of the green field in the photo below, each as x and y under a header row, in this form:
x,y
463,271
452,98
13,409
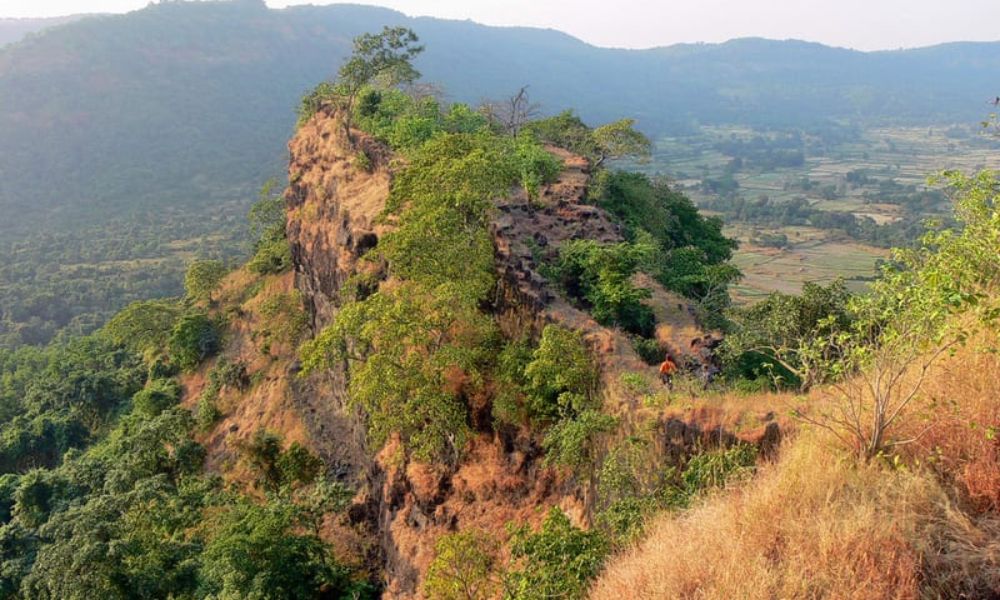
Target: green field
x,y
891,158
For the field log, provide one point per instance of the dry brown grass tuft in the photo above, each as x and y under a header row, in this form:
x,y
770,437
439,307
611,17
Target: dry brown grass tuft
x,y
962,444
813,525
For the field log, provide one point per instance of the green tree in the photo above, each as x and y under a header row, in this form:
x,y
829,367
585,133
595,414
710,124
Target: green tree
x,y
255,551
774,335
193,339
202,278
383,59
271,251
922,306
573,442
463,567
620,139
144,326
601,275
561,377
558,561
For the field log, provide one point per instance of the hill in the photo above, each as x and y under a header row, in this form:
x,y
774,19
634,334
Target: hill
x,y
133,143
14,30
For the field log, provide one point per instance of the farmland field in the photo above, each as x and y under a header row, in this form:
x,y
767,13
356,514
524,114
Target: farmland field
x,y
878,175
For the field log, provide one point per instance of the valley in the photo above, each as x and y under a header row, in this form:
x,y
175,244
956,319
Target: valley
x,y
880,175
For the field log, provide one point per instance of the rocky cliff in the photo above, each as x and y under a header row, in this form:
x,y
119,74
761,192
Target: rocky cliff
x,y
334,207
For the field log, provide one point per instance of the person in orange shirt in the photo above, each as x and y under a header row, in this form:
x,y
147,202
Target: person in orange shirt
x,y
667,369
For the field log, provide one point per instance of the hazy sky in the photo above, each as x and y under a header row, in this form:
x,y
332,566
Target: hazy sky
x,y
863,24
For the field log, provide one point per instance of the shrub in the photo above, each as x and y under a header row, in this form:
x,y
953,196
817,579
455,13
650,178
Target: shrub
x,y
649,350
206,412
572,442
271,257
202,278
284,319
463,567
321,95
508,402
558,561
708,470
362,161
560,378
193,339
536,165
277,467
600,276
157,396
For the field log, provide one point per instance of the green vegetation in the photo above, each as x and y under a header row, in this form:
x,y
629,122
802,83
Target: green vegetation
x,y
557,561
409,343
102,490
271,252
193,339
202,278
633,485
774,338
601,277
463,567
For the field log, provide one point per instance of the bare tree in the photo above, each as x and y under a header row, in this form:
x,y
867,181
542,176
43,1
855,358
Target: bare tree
x,y
512,113
881,377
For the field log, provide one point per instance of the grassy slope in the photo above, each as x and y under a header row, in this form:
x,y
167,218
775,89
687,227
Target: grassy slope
x,y
816,523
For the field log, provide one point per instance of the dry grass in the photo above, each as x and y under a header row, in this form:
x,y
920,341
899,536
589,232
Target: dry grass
x,y
963,442
813,525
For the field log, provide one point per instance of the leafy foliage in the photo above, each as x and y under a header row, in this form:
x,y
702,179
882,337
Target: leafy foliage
x,y
691,252
601,277
193,338
406,341
572,442
277,467
120,509
463,567
202,278
558,561
271,251
769,338
918,310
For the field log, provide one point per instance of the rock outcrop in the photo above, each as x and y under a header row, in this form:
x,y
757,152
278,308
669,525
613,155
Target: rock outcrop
x,y
334,210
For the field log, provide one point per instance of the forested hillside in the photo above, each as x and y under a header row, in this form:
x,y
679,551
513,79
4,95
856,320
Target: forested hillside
x,y
14,30
131,144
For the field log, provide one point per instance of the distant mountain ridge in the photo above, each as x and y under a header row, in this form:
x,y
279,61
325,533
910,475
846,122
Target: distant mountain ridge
x,y
14,30
193,102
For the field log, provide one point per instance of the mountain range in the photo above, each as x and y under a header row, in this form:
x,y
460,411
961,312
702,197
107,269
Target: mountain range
x,y
191,102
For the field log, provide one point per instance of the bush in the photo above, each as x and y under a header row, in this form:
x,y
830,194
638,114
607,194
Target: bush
x,y
321,95
558,561
276,467
206,411
271,257
508,403
193,339
600,276
560,378
536,165
572,442
708,470
463,567
157,396
649,350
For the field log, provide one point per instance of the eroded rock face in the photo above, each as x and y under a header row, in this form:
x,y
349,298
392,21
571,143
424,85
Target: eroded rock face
x,y
333,210
333,224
